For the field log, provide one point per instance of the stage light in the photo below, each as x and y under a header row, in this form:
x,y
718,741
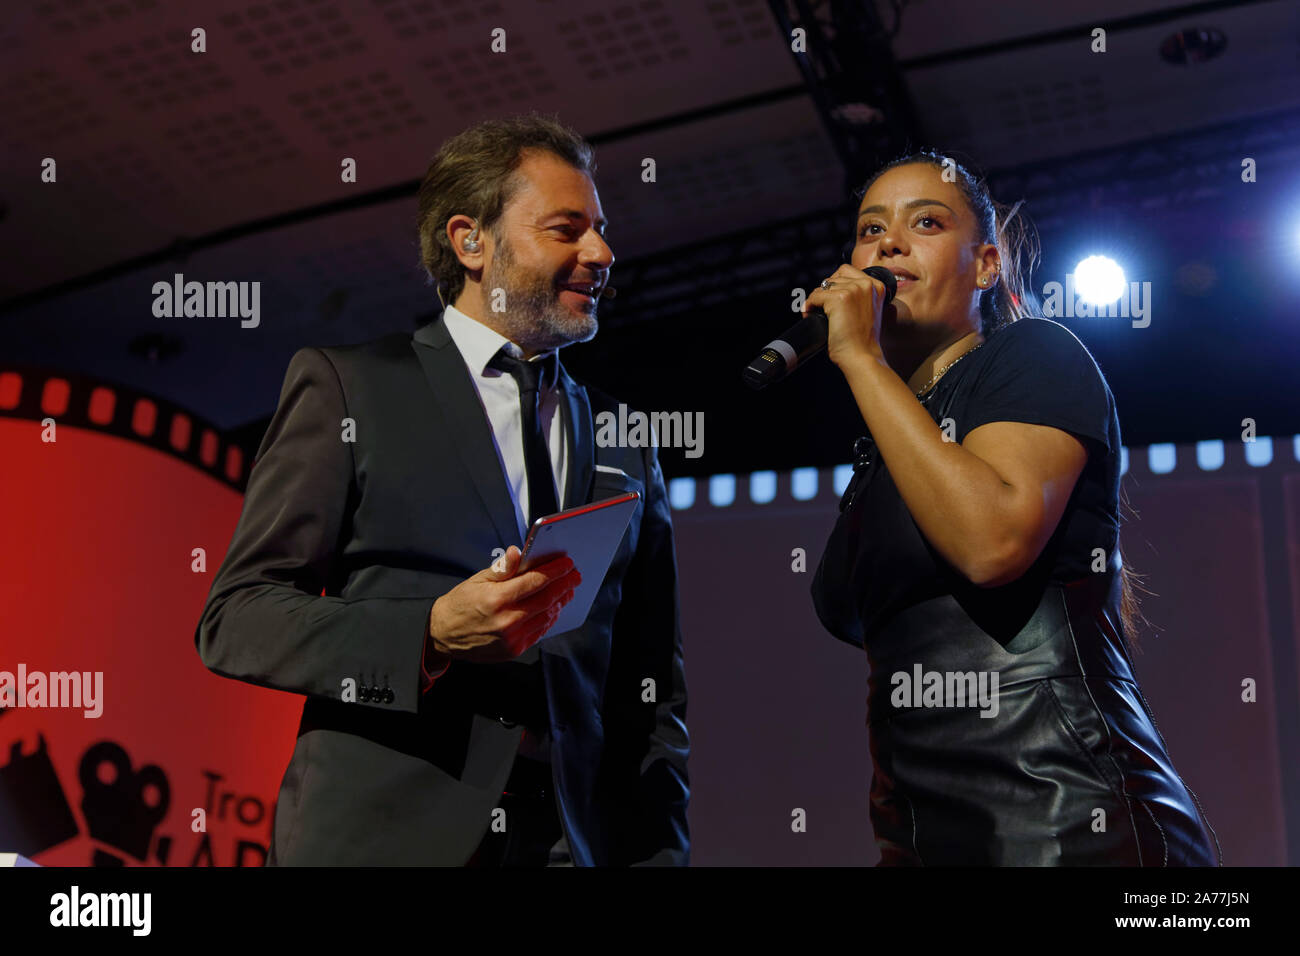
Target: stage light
x,y
1099,280
762,487
803,484
1161,458
1210,454
681,493
1259,452
722,490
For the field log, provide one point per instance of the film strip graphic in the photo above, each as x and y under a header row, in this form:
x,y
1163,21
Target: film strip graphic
x,y
34,394
815,486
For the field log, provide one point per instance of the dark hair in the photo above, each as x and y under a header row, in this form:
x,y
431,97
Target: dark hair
x,y
1130,608
1011,298
475,173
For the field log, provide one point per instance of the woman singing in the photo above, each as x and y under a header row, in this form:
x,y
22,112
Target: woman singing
x,y
976,557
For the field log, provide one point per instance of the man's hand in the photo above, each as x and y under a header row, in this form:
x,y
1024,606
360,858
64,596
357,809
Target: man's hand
x,y
495,615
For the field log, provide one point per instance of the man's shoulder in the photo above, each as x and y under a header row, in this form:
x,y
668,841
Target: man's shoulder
x,y
355,368
359,357
394,344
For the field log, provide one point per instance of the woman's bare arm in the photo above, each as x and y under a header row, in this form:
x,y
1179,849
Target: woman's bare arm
x,y
988,505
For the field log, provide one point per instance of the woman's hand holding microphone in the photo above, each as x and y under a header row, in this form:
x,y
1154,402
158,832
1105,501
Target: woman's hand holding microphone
x,y
854,303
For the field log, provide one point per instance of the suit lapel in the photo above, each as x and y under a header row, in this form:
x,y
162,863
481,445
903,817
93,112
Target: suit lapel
x,y
582,460
457,403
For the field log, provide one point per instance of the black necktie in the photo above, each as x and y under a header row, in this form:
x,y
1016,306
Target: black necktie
x,y
537,457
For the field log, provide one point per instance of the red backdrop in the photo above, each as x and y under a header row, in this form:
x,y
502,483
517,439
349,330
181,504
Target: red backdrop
x,y
96,575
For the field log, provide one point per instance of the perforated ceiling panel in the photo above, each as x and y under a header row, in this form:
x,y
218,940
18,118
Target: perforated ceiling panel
x,y
1070,106
763,164
628,37
258,121
40,107
134,170
423,20
739,21
158,71
358,108
475,82
71,17
155,142
288,36
232,143
1014,106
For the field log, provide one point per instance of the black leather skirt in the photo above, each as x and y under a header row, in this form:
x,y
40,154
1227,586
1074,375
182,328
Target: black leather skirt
x,y
1063,765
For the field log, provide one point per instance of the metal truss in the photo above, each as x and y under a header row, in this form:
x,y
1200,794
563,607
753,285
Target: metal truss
x,y
849,70
1178,168
1184,168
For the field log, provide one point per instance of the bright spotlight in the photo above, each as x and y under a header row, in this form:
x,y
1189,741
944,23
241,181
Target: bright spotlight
x,y
1099,280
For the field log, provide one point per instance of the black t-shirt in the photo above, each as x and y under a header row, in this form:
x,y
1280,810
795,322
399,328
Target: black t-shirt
x,y
877,562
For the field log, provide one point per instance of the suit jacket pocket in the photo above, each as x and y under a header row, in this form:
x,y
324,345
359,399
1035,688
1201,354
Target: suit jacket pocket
x,y
608,484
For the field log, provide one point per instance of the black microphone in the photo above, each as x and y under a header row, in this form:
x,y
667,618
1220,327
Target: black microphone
x,y
803,340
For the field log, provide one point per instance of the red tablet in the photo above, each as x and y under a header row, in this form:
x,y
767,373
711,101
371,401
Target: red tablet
x,y
589,534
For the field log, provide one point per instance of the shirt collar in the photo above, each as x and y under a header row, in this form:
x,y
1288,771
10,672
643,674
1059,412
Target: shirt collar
x,y
478,344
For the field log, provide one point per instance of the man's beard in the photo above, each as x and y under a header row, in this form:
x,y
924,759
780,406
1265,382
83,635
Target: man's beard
x,y
534,316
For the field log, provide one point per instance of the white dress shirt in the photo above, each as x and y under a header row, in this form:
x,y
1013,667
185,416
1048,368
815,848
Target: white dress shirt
x,y
499,394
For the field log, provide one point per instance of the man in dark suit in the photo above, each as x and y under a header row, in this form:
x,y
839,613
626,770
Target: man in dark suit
x,y
374,568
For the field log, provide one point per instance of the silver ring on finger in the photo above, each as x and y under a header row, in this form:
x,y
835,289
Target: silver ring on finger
x,y
826,283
